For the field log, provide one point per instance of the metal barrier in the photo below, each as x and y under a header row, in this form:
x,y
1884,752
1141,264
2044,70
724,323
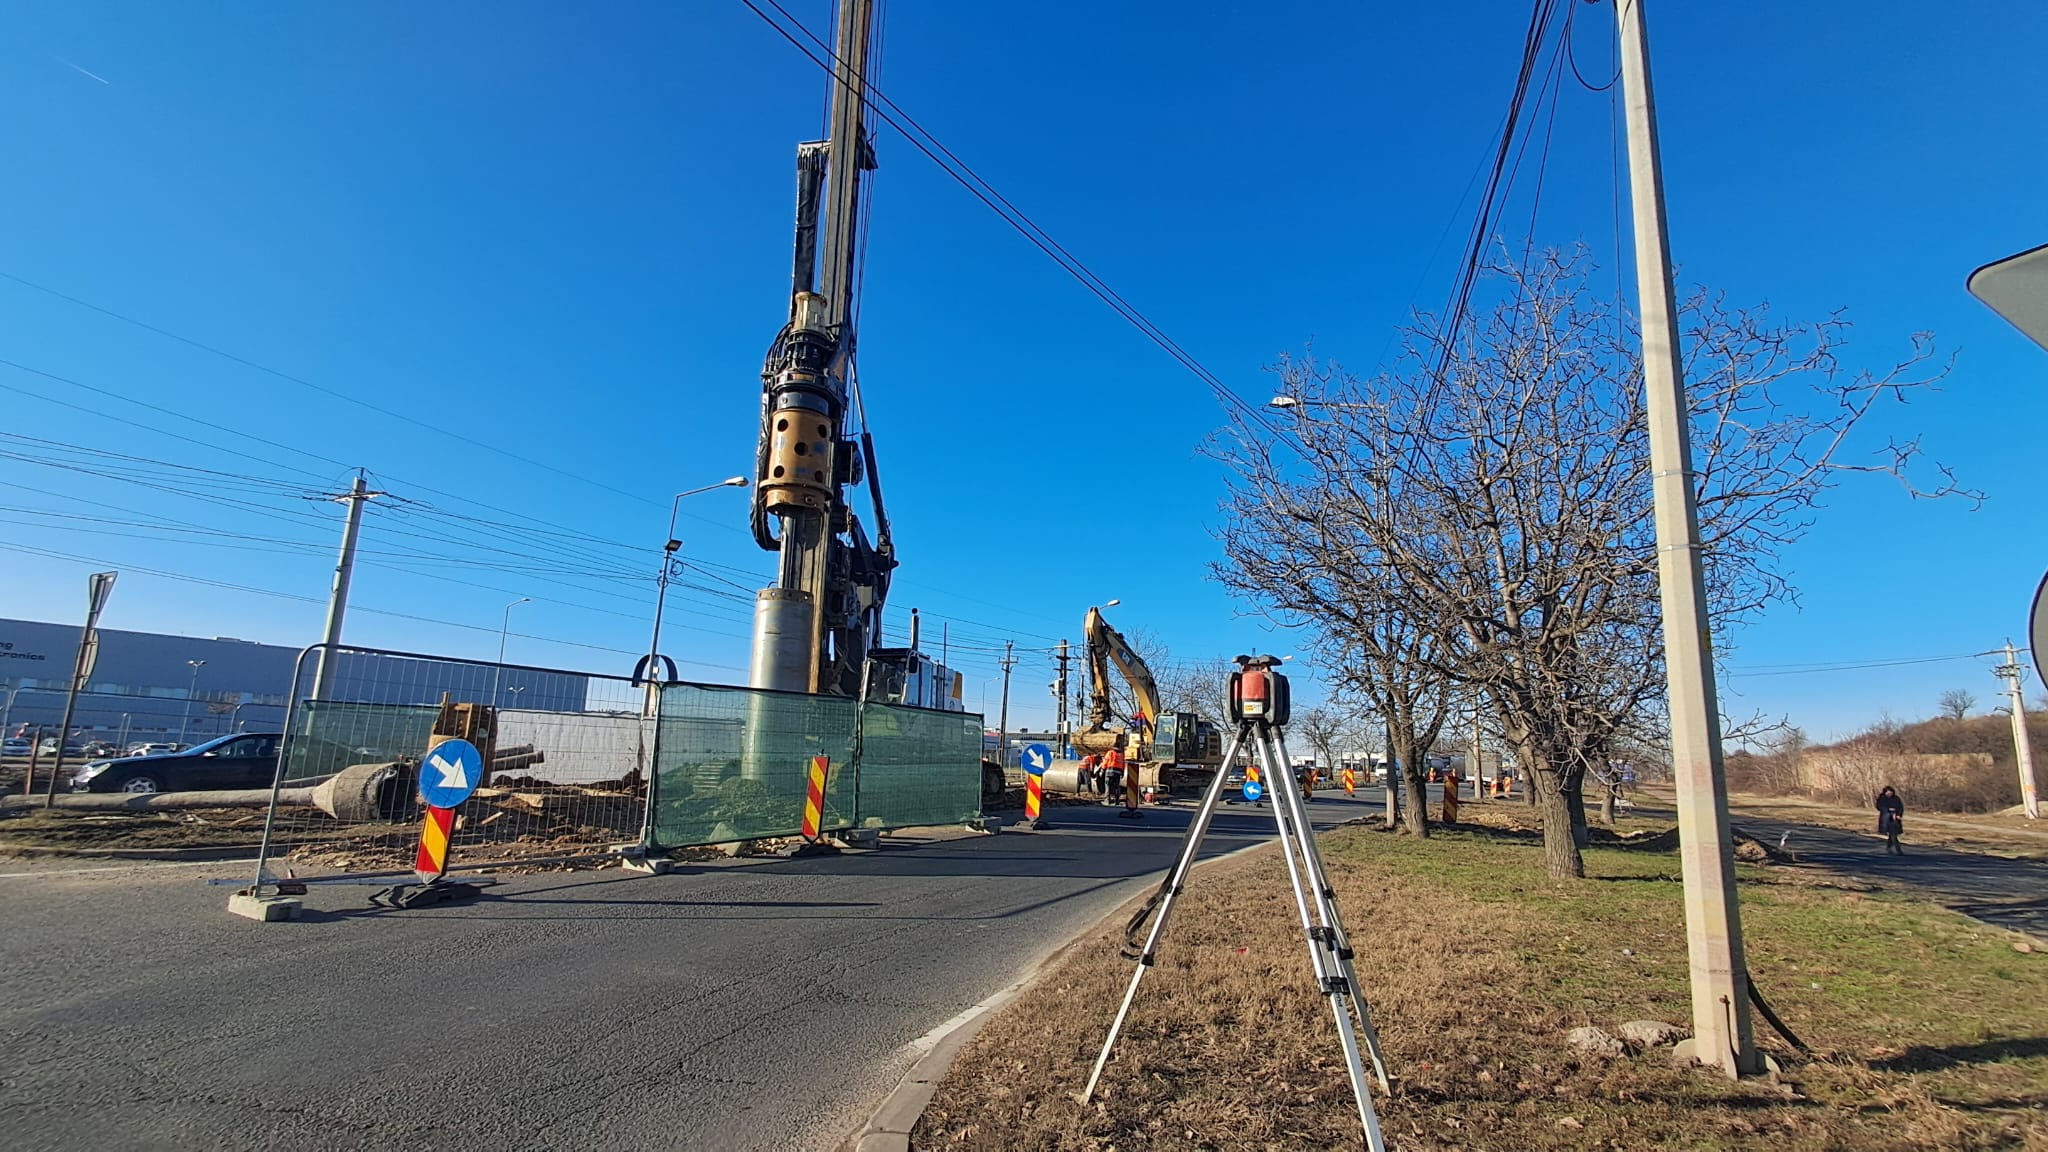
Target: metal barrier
x,y
565,774
732,765
569,763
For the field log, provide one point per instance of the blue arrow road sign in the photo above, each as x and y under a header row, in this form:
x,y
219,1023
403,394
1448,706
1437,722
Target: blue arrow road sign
x,y
1253,790
1037,758
451,772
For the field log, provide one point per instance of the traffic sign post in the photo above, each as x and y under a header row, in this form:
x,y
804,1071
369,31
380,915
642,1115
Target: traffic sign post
x,y
814,798
451,772
1254,789
1037,758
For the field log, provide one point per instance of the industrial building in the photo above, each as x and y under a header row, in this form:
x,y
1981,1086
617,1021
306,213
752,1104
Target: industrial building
x,y
154,686
144,686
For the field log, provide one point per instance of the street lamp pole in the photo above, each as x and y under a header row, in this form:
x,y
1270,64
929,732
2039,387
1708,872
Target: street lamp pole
x,y
504,629
191,690
670,546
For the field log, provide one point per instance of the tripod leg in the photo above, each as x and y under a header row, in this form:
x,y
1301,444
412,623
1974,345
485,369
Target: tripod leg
x,y
1339,940
1163,900
1297,841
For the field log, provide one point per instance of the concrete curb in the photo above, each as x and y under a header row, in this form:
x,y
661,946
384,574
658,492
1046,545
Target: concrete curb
x,y
888,1130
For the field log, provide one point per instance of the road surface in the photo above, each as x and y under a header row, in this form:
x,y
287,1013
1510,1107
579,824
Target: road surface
x,y
1997,890
732,1006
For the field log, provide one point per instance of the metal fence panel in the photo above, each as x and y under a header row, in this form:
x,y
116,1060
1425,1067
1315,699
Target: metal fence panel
x,y
919,767
567,774
734,763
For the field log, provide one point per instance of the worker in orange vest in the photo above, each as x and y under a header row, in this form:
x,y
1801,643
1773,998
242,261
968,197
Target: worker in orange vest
x,y
1113,762
1350,781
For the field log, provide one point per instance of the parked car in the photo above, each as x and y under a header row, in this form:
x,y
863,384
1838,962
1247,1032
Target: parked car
x,y
154,748
14,746
241,760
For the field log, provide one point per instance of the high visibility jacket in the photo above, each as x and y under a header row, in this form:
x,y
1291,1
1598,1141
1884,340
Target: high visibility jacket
x,y
1113,759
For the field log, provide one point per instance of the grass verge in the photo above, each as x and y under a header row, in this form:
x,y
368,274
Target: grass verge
x,y
1932,1028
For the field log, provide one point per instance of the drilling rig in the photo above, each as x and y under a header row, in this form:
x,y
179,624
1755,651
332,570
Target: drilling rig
x,y
819,624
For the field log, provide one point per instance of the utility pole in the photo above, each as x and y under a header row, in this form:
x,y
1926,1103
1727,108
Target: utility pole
x,y
1721,1029
2023,748
1003,724
1478,756
344,571
1059,690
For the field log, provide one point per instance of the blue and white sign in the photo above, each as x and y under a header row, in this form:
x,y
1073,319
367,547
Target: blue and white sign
x,y
1253,789
1036,759
451,772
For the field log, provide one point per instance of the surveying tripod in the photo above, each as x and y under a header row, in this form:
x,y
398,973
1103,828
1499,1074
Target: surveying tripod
x,y
1259,704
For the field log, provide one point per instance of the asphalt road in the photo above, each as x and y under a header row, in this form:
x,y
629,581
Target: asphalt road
x,y
738,1005
2009,893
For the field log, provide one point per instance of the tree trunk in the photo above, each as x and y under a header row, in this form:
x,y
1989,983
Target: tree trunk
x,y
1560,845
1393,790
1607,804
1416,818
1572,784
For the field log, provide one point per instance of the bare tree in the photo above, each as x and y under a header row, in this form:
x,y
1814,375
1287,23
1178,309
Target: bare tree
x,y
1489,526
1956,703
1323,729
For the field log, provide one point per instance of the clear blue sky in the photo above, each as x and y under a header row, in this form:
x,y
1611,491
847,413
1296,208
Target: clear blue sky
x,y
566,233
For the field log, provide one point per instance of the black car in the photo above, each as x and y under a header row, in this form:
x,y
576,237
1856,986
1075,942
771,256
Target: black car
x,y
243,760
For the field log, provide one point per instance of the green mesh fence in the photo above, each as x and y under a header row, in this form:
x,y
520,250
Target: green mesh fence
x,y
329,736
733,764
919,767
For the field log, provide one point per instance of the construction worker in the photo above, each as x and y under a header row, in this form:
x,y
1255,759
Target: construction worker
x,y
1113,763
1091,773
1350,782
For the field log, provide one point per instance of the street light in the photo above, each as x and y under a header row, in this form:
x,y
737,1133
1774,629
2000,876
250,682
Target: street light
x,y
191,690
668,561
504,629
1298,402
7,711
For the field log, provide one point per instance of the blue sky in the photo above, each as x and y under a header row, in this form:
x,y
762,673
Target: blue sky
x,y
566,234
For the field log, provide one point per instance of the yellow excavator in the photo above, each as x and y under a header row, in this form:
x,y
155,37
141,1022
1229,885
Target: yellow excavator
x,y
1169,749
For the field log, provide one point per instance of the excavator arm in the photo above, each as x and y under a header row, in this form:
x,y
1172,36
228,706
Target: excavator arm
x,y
1107,645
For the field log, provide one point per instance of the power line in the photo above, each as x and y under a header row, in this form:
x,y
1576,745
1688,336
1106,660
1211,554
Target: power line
x,y
188,578
335,393
1850,666
926,142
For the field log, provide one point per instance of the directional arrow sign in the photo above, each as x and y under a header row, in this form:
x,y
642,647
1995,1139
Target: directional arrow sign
x,y
452,771
1037,758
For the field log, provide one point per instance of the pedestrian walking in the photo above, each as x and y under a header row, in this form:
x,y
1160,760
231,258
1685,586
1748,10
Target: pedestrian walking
x,y
1891,819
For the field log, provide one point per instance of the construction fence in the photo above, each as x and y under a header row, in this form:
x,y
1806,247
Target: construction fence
x,y
578,763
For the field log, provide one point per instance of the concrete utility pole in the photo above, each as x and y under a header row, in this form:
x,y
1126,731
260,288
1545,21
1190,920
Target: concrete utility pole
x,y
1059,691
344,571
1003,724
2023,748
1478,756
1721,1029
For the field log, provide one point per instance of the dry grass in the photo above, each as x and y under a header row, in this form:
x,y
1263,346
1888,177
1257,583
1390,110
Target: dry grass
x,y
1934,1029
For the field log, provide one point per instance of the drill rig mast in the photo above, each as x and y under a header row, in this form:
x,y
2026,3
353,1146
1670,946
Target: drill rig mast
x,y
816,624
